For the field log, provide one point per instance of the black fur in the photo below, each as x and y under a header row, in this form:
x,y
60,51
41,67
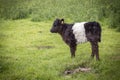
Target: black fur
x,y
65,30
92,30
93,34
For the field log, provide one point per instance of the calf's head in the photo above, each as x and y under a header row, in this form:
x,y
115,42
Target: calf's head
x,y
57,24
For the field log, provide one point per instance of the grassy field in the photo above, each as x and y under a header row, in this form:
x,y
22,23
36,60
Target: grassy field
x,y
28,51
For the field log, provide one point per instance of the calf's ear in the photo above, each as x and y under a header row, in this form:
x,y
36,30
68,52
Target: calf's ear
x,y
62,21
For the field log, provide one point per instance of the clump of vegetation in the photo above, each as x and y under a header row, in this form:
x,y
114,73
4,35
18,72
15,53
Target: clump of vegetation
x,y
77,10
14,9
111,12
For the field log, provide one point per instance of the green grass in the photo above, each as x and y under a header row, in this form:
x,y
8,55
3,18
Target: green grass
x,y
77,10
25,53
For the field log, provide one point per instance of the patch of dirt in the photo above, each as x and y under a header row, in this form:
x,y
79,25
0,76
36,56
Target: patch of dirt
x,y
77,70
45,47
39,31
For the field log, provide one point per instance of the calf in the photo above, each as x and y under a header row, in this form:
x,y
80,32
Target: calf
x,y
78,33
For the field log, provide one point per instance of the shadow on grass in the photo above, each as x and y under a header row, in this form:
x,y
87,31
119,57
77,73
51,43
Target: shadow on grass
x,y
44,47
4,66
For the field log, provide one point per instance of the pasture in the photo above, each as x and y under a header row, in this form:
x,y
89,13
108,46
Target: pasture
x,y
28,51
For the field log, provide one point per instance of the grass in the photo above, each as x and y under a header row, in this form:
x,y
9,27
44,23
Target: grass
x,y
77,10
28,51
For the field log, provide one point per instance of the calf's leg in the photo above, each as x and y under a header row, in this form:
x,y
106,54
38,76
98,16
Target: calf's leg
x,y
72,50
95,50
92,49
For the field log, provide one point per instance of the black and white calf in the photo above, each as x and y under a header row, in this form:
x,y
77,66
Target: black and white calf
x,y
76,33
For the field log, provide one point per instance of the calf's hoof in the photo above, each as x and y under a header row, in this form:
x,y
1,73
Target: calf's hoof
x,y
73,56
98,59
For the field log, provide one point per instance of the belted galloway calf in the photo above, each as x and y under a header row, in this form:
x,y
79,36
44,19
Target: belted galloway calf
x,y
78,33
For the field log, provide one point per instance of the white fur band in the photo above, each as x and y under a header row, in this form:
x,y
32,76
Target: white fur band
x,y
79,32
